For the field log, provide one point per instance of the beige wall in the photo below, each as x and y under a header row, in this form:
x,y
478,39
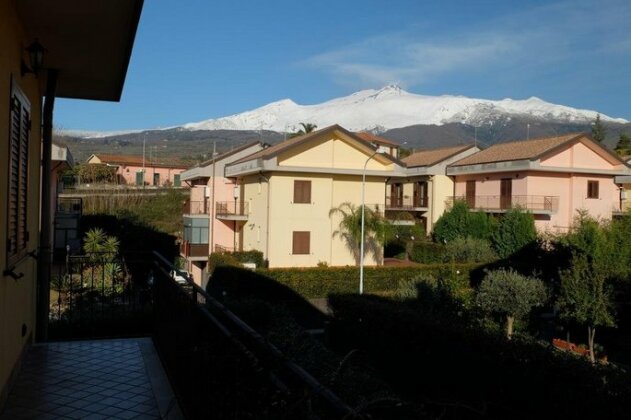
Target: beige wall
x,y
17,298
284,217
440,188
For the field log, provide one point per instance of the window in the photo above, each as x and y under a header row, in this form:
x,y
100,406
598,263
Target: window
x,y
302,192
592,189
301,243
470,193
20,127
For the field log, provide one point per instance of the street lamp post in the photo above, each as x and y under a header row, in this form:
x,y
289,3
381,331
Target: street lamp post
x,y
361,246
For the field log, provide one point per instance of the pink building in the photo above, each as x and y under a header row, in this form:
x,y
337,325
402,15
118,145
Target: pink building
x,y
134,170
552,177
213,216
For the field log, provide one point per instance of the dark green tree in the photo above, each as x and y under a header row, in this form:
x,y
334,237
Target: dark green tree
x,y
623,148
515,230
510,295
459,222
306,128
585,295
599,132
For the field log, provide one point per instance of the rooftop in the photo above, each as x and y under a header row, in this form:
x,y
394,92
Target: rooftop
x,y
139,161
431,157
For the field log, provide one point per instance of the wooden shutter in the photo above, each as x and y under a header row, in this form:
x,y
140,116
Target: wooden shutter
x,y
20,124
302,192
592,189
301,243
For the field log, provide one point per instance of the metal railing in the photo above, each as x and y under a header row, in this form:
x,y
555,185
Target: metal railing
x,y
221,368
100,295
194,250
196,207
533,203
69,206
231,208
406,202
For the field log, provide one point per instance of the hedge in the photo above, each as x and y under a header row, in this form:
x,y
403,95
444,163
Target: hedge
x,y
319,282
470,373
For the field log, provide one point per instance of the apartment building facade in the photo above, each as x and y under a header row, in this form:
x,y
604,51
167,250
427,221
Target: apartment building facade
x,y
552,177
291,187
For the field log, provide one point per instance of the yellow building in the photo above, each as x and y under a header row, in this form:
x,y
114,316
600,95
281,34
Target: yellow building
x,y
291,187
421,196
50,49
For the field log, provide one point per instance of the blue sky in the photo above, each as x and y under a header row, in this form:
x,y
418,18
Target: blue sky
x,y
200,59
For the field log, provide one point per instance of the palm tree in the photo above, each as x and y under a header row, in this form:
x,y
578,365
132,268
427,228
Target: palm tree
x,y
350,229
306,128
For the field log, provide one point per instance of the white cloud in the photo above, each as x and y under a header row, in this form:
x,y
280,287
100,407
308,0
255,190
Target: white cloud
x,y
528,41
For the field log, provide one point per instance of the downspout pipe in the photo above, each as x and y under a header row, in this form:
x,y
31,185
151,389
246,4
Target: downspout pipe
x,y
45,239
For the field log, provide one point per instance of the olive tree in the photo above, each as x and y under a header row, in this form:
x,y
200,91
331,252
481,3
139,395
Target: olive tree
x,y
510,295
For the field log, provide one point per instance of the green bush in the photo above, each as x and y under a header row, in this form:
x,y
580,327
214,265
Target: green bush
x,y
469,373
253,256
469,250
459,222
426,252
222,259
515,231
317,282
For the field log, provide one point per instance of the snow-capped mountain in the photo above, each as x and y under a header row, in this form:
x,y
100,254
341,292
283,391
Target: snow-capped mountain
x,y
392,107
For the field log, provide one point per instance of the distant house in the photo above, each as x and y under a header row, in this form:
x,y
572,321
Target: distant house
x,y
134,170
624,182
422,195
383,145
552,177
211,215
286,192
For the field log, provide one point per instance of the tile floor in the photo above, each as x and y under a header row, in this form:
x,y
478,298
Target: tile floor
x,y
95,379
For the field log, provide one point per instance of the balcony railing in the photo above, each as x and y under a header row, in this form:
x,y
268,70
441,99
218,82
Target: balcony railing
x,y
222,368
539,204
69,206
231,210
194,250
406,202
196,207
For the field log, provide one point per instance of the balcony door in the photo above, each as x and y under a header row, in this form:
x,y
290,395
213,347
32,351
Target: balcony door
x,y
506,192
396,195
420,194
470,194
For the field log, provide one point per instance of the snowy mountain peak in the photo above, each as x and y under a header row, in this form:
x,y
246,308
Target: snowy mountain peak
x,y
392,107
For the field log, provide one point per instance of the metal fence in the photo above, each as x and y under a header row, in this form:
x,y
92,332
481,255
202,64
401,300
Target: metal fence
x,y
100,295
221,368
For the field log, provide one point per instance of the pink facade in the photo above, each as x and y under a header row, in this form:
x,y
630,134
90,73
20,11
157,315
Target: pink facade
x,y
554,186
213,221
156,176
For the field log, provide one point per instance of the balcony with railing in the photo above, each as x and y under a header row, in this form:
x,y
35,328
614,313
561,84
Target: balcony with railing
x,y
196,208
231,210
407,203
536,204
194,251
197,360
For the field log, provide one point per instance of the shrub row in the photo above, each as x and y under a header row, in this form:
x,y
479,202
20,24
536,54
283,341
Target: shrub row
x,y
318,282
469,373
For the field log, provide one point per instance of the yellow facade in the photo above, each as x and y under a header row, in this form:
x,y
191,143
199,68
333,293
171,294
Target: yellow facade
x,y
17,297
334,165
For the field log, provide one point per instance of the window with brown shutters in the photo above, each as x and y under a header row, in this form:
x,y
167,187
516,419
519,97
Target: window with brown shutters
x,y
20,125
592,189
301,243
302,192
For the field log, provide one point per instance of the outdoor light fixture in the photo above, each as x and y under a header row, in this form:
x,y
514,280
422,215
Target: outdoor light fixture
x,y
36,57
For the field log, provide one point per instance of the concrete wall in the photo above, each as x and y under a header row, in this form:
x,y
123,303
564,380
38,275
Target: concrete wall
x,y
17,298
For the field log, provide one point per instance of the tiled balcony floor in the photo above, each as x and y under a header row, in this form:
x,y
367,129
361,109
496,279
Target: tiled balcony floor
x,y
95,379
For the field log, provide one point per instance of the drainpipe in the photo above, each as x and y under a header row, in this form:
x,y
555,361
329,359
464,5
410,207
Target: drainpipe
x,y
45,240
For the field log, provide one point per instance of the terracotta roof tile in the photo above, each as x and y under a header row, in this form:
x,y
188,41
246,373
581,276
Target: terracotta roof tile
x,y
138,161
518,150
371,138
431,157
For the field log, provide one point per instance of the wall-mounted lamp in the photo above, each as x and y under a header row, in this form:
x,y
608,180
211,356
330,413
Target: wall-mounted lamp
x,y
36,57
